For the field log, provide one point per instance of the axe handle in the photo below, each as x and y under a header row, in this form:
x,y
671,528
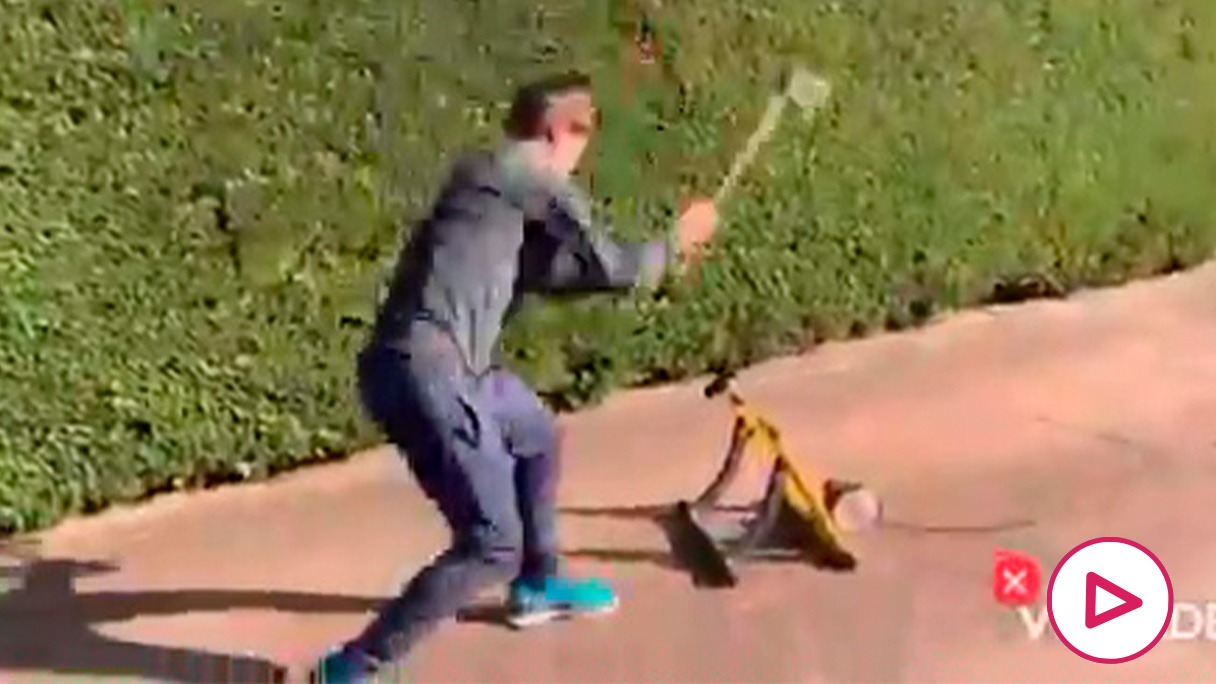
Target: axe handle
x,y
764,131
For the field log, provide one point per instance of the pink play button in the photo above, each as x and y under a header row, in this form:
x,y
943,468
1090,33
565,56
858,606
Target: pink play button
x,y
1110,600
1094,582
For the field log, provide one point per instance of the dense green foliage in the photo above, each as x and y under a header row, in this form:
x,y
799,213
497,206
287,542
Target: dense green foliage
x,y
198,199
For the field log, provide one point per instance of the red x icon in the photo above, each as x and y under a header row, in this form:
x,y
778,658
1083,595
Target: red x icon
x,y
1016,578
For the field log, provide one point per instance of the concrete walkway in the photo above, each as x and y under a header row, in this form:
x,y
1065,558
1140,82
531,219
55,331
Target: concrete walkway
x,y
1089,417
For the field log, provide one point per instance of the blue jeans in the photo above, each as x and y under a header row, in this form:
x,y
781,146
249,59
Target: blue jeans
x,y
483,448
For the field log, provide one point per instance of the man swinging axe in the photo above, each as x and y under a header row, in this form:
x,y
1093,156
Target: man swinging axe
x,y
478,441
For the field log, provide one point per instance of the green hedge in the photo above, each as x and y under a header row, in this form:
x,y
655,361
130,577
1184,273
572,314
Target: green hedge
x,y
199,199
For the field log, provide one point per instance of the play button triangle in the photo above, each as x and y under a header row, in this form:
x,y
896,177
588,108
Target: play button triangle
x,y
1128,600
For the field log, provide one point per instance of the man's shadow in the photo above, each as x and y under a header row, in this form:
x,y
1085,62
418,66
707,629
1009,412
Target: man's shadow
x,y
46,626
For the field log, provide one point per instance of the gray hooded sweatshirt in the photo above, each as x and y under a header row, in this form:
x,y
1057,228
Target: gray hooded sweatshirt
x,y
499,230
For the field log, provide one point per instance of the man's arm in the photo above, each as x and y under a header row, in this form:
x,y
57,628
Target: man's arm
x,y
568,253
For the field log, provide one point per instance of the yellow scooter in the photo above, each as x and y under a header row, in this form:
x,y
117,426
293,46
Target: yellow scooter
x,y
794,515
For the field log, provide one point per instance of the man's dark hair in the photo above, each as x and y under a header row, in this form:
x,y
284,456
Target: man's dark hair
x,y
526,120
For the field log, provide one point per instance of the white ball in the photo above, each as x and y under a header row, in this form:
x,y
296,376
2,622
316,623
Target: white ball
x,y
857,510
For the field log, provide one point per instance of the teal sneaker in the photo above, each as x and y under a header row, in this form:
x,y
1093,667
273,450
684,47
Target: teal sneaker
x,y
557,598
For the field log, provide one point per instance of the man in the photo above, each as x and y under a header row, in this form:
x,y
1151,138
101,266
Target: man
x,y
481,444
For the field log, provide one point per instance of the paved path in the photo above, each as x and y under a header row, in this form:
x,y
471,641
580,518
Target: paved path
x,y
1094,416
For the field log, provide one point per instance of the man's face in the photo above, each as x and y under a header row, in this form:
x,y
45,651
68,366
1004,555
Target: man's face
x,y
571,122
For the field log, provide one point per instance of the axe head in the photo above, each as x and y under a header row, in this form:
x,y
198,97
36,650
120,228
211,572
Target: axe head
x,y
807,90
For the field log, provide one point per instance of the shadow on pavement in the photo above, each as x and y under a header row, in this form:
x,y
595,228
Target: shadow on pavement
x,y
654,513
661,516
46,626
659,559
685,553
650,513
